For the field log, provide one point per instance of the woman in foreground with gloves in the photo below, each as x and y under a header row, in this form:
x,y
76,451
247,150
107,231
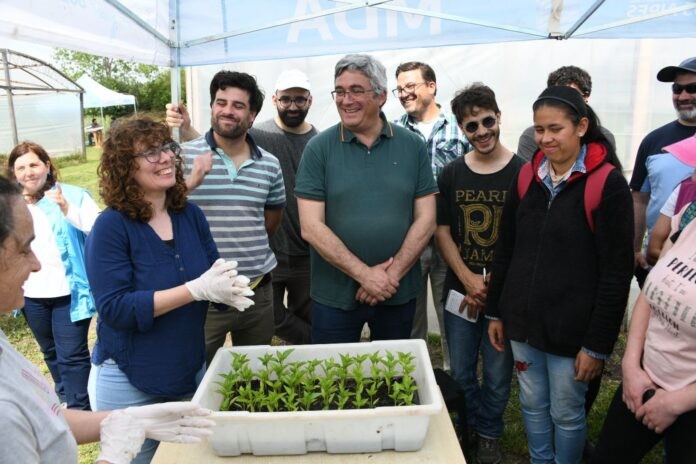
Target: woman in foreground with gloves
x,y
35,428
152,266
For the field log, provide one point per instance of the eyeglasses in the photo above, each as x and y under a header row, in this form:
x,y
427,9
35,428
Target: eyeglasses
x,y
155,155
286,101
407,89
487,122
356,92
678,88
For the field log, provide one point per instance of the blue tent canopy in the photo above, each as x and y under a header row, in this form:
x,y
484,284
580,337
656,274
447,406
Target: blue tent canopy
x,y
195,32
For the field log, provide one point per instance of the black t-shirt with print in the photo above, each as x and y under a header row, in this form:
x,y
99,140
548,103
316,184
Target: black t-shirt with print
x,y
472,205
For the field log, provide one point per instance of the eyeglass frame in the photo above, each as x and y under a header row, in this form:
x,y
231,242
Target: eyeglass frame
x,y
356,92
293,100
172,146
488,122
408,91
679,88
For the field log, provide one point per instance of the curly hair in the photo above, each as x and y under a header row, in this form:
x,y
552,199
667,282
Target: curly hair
x,y
117,186
475,94
22,149
567,75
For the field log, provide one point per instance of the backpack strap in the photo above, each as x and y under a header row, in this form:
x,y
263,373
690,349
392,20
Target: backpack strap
x,y
524,179
593,191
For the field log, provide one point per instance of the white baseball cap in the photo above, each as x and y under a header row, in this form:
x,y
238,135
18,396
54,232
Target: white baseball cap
x,y
291,79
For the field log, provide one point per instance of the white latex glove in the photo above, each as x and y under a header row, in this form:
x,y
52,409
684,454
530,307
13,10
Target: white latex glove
x,y
215,284
175,422
124,431
240,287
122,436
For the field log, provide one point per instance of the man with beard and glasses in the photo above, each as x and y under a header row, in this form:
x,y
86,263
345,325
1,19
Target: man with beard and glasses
x,y
239,186
285,136
472,193
416,90
655,177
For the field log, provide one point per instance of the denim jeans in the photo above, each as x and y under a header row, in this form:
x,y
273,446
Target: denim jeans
x,y
110,389
335,325
64,347
553,405
485,403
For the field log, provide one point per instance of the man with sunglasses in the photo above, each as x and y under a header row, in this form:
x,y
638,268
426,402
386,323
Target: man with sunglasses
x,y
655,177
365,193
472,194
416,88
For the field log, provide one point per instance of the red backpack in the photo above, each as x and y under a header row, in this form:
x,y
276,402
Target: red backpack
x,y
593,187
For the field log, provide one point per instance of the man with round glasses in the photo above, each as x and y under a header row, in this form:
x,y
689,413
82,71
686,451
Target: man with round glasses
x,y
286,136
655,177
469,207
416,88
365,193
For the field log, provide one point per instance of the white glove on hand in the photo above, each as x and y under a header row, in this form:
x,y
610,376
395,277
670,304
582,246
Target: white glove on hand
x,y
215,284
240,287
124,431
175,422
122,436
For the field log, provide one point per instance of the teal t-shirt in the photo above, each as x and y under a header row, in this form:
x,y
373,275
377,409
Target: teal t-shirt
x,y
369,197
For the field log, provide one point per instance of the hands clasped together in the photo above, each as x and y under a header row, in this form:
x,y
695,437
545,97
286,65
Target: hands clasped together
x,y
222,284
377,284
124,430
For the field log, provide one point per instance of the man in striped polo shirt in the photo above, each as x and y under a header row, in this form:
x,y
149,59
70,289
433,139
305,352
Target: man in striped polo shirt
x,y
239,187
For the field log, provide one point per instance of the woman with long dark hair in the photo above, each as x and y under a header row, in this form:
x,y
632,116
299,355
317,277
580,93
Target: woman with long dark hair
x,y
561,273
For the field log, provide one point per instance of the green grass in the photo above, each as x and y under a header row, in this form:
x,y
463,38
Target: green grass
x,y
83,174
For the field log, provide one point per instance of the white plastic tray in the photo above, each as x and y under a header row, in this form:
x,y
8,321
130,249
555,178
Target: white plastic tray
x,y
401,428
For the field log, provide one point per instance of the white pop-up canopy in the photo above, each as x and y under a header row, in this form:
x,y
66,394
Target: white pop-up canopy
x,y
98,96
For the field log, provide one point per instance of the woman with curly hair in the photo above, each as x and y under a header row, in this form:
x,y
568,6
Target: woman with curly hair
x,y
58,306
153,267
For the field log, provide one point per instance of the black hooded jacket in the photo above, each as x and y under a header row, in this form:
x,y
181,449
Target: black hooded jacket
x,y
557,285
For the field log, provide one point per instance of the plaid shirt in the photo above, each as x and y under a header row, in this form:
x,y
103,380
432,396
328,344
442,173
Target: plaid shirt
x,y
446,142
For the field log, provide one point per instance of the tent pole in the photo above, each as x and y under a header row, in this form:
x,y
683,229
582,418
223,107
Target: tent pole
x,y
82,126
175,59
10,101
590,11
101,108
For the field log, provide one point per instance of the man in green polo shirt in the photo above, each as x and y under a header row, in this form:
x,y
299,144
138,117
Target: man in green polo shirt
x,y
366,197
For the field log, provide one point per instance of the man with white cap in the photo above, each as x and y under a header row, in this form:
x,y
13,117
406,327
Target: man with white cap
x,y
655,177
285,136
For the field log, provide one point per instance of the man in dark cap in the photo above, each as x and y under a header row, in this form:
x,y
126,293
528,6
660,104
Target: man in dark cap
x,y
651,191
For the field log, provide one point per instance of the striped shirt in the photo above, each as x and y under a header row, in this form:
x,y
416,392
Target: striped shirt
x,y
445,143
234,202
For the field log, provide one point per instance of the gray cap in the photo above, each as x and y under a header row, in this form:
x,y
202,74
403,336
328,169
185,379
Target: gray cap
x,y
669,73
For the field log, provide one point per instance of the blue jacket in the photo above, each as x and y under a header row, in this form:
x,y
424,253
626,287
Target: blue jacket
x,y
71,245
126,263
